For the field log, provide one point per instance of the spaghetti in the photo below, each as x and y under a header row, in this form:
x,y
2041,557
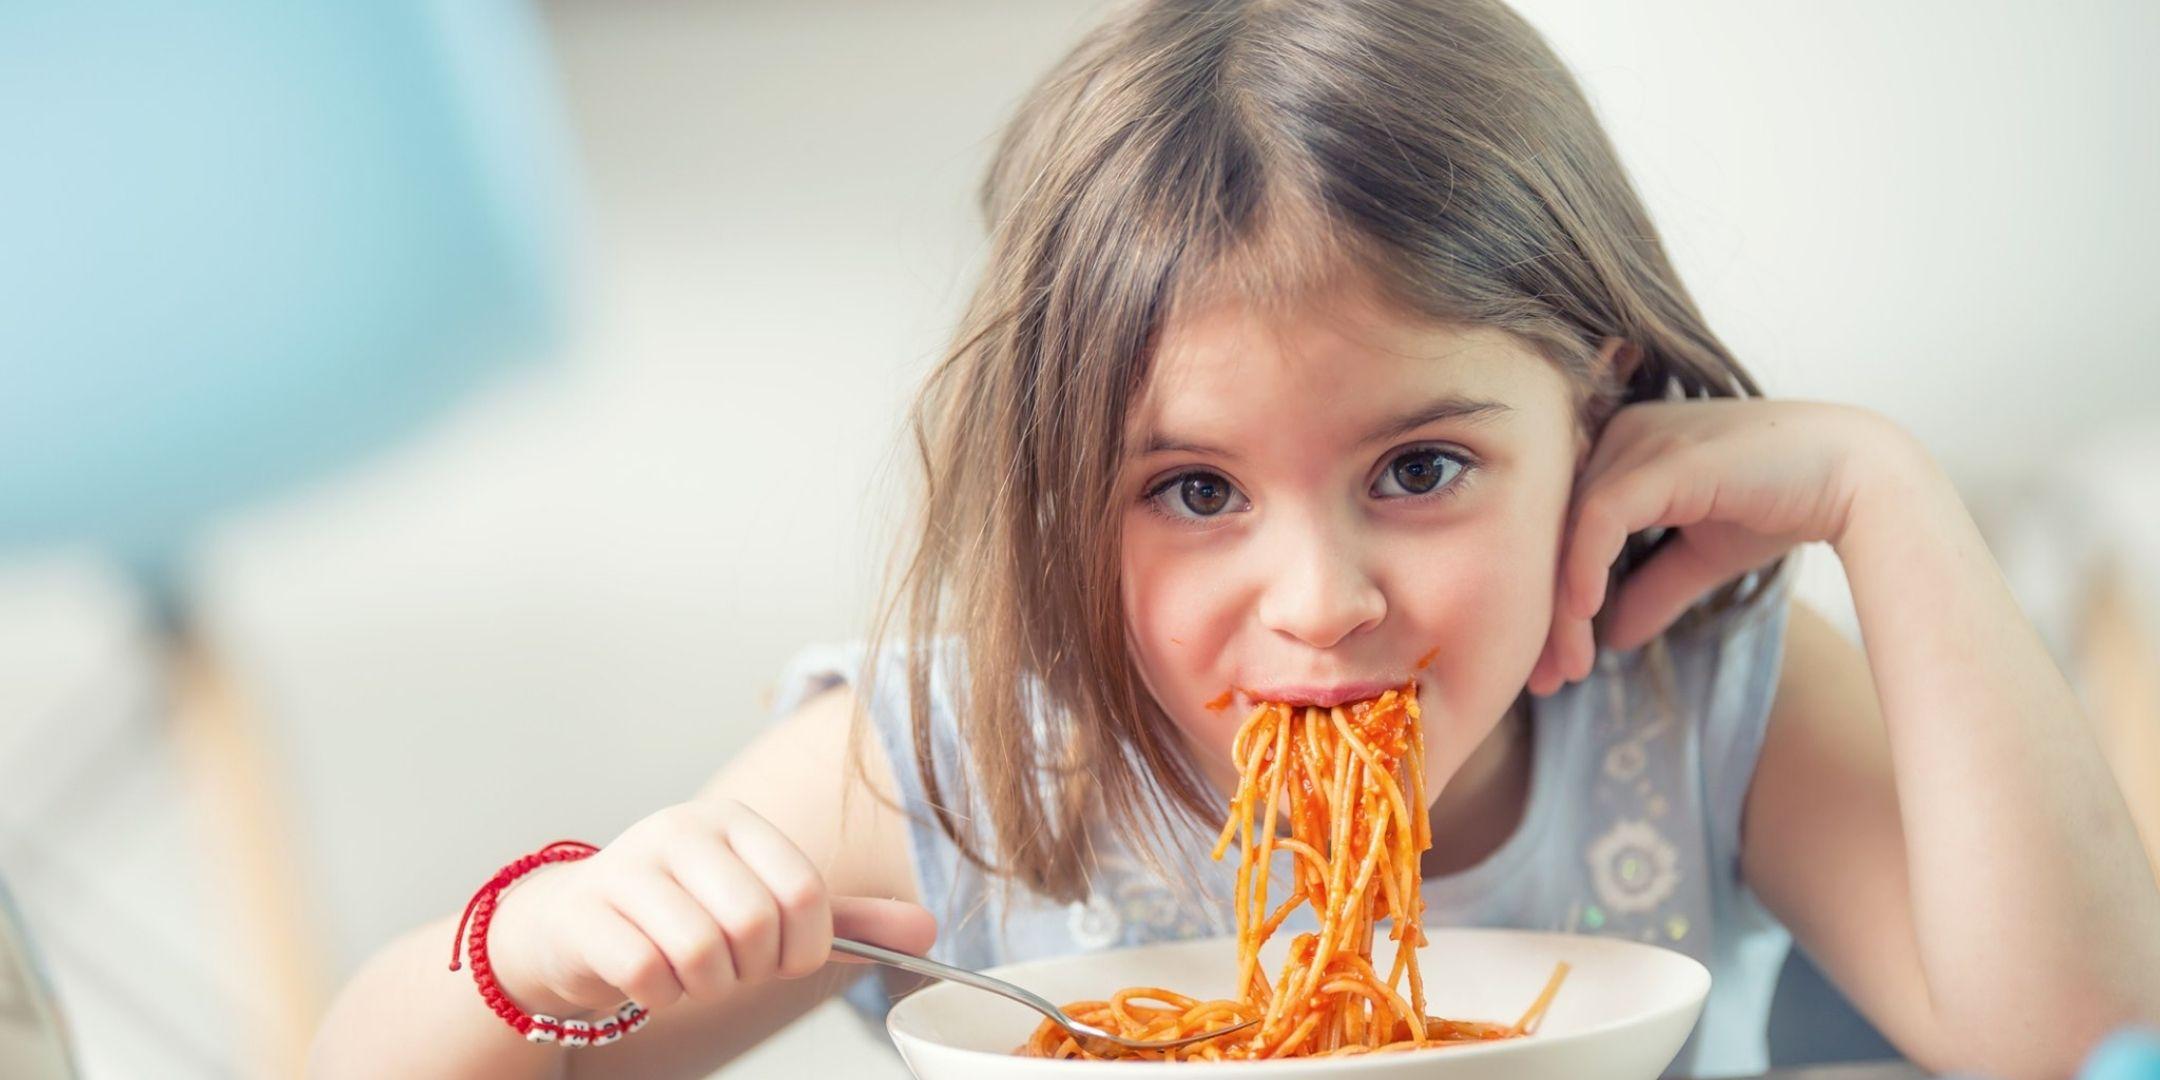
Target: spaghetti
x,y
1351,780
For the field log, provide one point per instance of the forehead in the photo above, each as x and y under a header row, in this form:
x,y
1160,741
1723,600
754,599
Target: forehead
x,y
1335,357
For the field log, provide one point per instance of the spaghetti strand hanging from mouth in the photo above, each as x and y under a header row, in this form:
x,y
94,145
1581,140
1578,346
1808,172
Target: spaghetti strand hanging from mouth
x,y
1351,781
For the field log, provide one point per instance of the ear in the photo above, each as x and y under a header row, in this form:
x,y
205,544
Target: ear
x,y
1619,356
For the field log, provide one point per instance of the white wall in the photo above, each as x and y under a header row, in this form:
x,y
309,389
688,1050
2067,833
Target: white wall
x,y
557,611
1942,210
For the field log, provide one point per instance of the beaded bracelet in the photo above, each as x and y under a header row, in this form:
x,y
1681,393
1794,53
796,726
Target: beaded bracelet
x,y
536,1027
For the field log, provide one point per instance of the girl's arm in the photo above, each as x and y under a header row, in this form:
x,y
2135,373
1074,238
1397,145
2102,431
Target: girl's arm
x,y
406,1014
1934,820
797,776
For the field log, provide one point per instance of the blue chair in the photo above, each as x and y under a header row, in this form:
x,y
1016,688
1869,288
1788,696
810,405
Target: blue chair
x,y
243,243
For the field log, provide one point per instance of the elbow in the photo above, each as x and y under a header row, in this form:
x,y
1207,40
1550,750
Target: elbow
x,y
2043,1039
327,1057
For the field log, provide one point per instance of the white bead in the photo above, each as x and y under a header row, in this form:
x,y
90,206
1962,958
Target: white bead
x,y
603,1034
576,1033
627,1011
539,1033
638,1022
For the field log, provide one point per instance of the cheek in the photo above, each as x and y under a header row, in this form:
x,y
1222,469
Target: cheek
x,y
1179,621
1483,586
1484,596
1488,614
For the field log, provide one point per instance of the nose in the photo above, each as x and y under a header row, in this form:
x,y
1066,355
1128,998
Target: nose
x,y
1318,589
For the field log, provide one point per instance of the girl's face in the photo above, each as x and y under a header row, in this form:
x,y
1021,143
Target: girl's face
x,y
1319,499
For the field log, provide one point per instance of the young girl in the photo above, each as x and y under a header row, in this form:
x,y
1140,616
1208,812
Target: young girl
x,y
1319,339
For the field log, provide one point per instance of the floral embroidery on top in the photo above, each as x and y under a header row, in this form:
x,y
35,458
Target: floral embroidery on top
x,y
1634,867
1093,923
1624,761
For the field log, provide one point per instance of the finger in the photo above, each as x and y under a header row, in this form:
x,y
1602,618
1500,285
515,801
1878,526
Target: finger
x,y
1647,497
1628,441
1536,683
1660,590
1598,533
797,889
1578,650
628,961
741,904
1544,677
684,931
1570,649
745,910
895,924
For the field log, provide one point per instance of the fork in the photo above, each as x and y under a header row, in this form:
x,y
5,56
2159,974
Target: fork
x,y
1092,1039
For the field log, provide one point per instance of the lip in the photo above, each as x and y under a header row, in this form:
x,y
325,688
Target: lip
x,y
1323,695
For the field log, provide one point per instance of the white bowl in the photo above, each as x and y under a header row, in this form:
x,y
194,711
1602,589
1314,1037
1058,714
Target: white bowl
x,y
1622,1014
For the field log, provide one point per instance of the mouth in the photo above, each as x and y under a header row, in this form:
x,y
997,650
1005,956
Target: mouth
x,y
1322,695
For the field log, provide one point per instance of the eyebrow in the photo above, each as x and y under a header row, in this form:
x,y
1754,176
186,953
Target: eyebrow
x,y
1451,407
1446,408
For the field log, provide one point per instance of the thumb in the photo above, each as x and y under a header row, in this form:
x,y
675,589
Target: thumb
x,y
894,924
1658,591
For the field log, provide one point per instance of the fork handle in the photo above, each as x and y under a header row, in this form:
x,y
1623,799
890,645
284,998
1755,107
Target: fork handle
x,y
924,966
1093,1039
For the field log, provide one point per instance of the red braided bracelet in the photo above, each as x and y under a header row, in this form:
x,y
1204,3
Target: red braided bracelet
x,y
536,1027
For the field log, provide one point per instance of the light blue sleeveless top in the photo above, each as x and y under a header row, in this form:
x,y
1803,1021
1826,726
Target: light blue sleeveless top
x,y
1632,830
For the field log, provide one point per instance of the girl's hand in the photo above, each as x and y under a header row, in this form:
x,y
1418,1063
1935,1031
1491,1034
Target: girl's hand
x,y
1740,481
693,901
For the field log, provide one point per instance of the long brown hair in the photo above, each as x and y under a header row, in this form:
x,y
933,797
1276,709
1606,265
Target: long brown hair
x,y
1191,149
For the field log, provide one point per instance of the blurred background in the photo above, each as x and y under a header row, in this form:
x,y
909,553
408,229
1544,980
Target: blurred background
x,y
426,427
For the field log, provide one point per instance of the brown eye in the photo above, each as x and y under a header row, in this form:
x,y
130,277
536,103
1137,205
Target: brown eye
x,y
1196,495
1419,472
1204,495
